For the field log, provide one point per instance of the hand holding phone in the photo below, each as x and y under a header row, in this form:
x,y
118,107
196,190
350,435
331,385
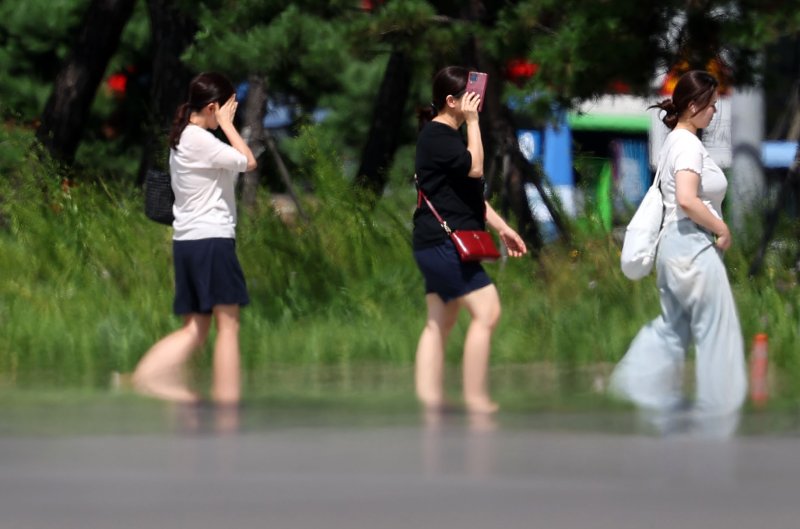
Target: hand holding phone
x,y
476,82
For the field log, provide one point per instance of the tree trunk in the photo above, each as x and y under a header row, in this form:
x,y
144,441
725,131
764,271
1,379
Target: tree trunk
x,y
172,29
514,198
499,127
500,141
260,139
255,109
387,120
269,143
67,109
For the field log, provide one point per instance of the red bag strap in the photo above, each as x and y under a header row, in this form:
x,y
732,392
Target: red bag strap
x,y
420,197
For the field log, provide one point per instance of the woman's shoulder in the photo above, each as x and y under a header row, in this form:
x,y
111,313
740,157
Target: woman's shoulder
x,y
436,129
432,136
193,131
683,137
194,137
680,142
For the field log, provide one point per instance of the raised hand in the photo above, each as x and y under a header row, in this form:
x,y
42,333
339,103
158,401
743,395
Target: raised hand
x,y
226,112
469,105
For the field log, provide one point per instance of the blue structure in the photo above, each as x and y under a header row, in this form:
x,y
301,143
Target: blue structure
x,y
631,172
778,154
553,148
279,116
557,158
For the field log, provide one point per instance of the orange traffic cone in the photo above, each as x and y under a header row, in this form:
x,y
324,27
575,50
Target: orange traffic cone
x,y
758,370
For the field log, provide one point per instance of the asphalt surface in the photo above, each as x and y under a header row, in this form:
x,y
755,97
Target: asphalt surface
x,y
198,468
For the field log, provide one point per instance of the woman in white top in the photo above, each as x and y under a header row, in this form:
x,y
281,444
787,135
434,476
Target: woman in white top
x,y
696,299
208,278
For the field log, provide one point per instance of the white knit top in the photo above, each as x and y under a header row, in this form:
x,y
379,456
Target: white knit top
x,y
683,150
203,172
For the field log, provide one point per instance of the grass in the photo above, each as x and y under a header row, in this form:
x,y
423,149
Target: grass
x,y
87,287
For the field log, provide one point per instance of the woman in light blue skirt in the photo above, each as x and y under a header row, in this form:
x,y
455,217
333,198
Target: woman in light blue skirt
x,y
696,300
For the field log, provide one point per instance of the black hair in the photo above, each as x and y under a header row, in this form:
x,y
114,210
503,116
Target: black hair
x,y
206,88
694,87
451,80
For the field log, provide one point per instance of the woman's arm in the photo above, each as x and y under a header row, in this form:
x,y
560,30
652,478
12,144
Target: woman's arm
x,y
687,185
512,240
469,106
224,116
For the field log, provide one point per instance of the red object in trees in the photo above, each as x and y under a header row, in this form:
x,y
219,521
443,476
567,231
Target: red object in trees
x,y
520,70
369,5
670,80
117,83
619,87
715,67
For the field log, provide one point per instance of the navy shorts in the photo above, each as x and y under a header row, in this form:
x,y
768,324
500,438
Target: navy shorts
x,y
207,273
446,275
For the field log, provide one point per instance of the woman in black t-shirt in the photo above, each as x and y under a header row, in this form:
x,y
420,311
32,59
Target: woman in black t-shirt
x,y
450,174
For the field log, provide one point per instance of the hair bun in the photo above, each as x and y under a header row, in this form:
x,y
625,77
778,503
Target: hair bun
x,y
425,114
669,107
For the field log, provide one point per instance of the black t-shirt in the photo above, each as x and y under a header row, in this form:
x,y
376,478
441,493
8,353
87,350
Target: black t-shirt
x,y
442,166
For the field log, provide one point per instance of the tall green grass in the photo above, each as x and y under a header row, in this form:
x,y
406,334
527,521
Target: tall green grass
x,y
87,285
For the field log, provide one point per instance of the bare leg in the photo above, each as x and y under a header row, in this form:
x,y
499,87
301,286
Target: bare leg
x,y
484,308
430,350
159,372
226,355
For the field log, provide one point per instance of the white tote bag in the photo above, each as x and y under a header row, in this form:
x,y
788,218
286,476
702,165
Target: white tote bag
x,y
643,233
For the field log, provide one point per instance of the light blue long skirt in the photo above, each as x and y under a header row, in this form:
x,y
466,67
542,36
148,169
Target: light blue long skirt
x,y
696,305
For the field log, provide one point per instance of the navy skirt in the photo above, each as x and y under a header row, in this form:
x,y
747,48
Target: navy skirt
x,y
207,273
446,275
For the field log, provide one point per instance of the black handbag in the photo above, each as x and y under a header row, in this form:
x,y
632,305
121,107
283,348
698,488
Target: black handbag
x,y
158,197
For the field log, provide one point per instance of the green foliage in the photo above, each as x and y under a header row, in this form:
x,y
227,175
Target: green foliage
x,y
581,48
90,277
87,279
298,46
35,36
342,131
88,286
328,55
112,142
398,23
762,22
15,142
331,54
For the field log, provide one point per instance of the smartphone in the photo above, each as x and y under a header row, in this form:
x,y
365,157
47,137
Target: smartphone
x,y
476,82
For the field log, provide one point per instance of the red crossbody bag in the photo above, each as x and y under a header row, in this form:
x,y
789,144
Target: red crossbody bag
x,y
472,245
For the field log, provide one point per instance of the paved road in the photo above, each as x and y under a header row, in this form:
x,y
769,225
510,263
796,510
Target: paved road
x,y
201,469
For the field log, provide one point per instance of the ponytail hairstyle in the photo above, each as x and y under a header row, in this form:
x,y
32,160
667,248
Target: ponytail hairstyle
x,y
451,80
205,89
694,87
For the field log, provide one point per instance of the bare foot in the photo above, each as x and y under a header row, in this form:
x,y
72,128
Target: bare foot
x,y
438,405
430,402
165,388
481,405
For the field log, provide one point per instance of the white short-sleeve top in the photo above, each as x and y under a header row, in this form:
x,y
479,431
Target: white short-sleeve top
x,y
683,150
203,173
